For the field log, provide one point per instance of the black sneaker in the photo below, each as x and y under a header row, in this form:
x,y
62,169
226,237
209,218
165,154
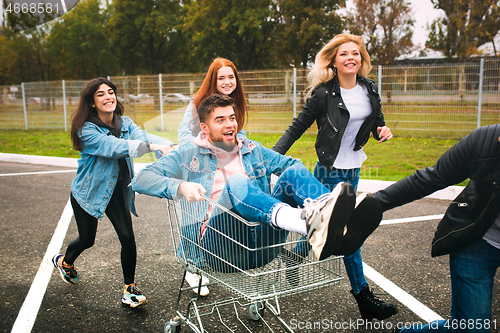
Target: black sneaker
x,y
68,274
326,220
365,219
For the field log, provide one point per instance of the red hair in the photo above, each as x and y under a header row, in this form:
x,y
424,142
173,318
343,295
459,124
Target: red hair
x,y
209,87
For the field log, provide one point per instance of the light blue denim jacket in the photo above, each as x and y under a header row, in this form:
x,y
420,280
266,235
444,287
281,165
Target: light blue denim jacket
x,y
198,165
98,168
185,133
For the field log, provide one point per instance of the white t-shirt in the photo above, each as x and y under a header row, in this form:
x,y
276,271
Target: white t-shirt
x,y
492,236
359,106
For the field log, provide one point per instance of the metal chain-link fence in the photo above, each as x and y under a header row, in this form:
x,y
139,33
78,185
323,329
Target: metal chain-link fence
x,y
439,100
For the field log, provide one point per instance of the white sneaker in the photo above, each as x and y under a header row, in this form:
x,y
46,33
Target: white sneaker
x,y
326,220
194,280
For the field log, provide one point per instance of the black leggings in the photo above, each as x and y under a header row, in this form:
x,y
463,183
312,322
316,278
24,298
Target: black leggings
x,y
119,215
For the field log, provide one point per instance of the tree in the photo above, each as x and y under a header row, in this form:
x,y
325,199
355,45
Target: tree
x,y
467,26
24,55
385,25
303,28
239,30
19,19
16,61
24,47
80,43
144,35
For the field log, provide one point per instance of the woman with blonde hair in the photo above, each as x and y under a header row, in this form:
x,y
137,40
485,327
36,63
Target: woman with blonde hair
x,y
222,77
346,107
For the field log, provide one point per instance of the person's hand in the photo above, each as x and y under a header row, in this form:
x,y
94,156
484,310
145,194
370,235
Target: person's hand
x,y
384,133
191,191
164,150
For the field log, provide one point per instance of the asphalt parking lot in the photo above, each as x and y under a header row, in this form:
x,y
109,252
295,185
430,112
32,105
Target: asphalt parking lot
x,y
33,200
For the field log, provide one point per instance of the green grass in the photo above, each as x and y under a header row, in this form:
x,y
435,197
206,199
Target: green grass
x,y
423,118
391,160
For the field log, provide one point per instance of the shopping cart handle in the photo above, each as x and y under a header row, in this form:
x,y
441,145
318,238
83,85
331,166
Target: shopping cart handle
x,y
236,216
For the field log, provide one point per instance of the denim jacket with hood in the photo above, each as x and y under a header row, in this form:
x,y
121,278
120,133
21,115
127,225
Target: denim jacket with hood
x,y
98,167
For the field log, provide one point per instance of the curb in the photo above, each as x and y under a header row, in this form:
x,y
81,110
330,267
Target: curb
x,y
365,185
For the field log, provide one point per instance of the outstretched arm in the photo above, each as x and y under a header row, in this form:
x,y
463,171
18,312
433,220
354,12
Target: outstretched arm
x,y
451,168
299,125
160,179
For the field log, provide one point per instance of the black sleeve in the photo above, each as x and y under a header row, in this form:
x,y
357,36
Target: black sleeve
x,y
299,125
379,117
451,168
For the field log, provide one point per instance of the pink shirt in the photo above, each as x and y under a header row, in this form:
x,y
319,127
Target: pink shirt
x,y
229,163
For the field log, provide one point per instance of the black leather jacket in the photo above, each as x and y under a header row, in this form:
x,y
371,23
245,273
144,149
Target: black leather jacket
x,y
326,107
472,213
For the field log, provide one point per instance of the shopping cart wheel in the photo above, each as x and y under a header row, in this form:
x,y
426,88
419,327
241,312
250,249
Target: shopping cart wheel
x,y
173,326
256,310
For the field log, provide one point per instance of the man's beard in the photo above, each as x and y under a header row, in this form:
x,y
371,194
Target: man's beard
x,y
227,146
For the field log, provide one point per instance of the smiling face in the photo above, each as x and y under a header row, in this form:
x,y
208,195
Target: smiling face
x,y
226,80
348,59
220,127
104,100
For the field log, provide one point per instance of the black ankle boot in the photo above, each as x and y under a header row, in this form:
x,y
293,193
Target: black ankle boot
x,y
370,307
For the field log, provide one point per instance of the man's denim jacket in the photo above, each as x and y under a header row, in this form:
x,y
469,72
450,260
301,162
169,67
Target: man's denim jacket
x,y
198,165
98,168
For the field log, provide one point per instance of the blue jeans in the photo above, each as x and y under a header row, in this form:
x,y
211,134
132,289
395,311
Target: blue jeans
x,y
472,272
247,247
353,263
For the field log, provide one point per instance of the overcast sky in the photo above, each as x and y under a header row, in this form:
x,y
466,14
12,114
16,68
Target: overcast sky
x,y
424,13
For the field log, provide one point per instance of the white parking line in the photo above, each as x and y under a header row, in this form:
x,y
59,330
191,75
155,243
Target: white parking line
x,y
35,173
402,296
413,219
29,310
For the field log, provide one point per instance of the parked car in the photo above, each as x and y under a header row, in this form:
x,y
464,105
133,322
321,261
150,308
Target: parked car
x,y
176,98
36,100
138,97
10,97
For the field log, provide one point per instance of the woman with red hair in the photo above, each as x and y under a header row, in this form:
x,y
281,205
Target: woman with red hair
x,y
221,78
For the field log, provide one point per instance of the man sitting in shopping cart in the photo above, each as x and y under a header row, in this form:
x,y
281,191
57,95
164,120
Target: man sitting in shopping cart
x,y
236,174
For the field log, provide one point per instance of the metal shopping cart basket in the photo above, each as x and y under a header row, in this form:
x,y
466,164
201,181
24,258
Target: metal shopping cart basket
x,y
255,262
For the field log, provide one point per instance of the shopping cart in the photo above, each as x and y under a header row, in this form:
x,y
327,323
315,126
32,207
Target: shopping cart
x,y
255,262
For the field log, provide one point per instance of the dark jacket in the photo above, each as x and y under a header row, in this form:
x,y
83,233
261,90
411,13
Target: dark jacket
x,y
471,214
326,107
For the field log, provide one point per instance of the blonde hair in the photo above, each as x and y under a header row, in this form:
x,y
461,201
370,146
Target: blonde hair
x,y
322,70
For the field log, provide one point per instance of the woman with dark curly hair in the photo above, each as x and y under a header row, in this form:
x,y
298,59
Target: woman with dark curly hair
x,y
107,142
